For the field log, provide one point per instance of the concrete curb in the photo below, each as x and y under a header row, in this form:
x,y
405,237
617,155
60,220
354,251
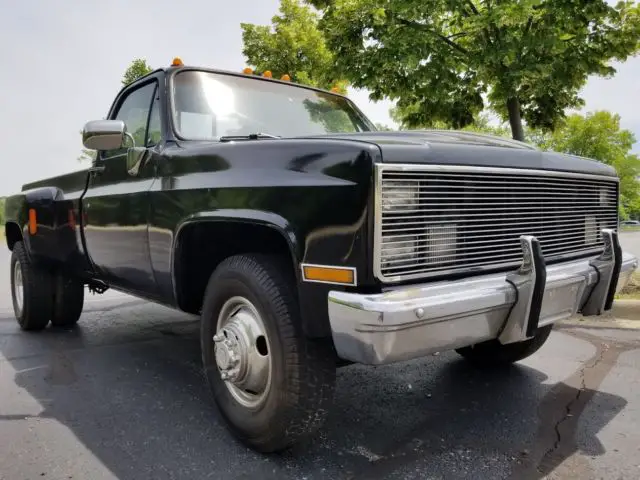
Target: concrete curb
x,y
627,309
625,314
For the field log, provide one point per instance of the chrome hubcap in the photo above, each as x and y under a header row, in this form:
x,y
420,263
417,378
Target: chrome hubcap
x,y
18,287
242,352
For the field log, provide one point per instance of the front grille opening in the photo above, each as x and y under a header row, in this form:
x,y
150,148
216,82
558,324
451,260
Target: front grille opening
x,y
436,222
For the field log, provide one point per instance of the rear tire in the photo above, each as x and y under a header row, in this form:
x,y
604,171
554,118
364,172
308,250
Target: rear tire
x,y
68,301
494,354
291,378
31,291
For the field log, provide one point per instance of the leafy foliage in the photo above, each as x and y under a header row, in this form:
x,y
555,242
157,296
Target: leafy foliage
x,y
292,45
444,60
137,69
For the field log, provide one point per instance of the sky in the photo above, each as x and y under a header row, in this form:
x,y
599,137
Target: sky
x,y
62,63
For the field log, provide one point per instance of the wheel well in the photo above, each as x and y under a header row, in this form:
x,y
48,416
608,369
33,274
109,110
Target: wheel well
x,y
202,246
12,233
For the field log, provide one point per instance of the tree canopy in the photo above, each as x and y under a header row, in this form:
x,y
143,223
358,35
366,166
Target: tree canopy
x,y
447,61
292,45
137,69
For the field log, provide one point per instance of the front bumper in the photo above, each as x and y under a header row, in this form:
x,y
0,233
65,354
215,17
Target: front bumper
x,y
413,321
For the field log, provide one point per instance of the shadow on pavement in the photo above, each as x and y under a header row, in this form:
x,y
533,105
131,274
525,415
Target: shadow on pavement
x,y
131,391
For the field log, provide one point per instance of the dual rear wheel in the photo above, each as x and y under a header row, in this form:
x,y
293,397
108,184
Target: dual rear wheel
x,y
41,296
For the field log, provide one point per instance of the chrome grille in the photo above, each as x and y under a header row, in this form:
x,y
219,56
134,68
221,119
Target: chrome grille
x,y
433,220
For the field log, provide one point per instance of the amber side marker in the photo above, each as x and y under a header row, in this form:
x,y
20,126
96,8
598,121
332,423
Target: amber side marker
x,y
33,224
329,274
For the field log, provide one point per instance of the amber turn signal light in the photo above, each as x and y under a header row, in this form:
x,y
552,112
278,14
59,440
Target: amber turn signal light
x,y
326,274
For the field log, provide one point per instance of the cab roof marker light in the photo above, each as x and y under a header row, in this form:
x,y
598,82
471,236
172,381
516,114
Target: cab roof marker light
x,y
177,62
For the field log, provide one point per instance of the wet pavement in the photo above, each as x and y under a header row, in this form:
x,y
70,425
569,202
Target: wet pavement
x,y
122,396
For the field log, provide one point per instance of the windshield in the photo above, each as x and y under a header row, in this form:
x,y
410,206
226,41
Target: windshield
x,y
207,106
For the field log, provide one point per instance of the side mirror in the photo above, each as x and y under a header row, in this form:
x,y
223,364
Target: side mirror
x,y
104,134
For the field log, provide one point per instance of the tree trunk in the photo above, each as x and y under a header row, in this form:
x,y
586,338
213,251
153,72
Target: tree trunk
x,y
513,106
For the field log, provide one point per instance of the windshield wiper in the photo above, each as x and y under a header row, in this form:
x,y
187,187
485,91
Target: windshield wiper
x,y
251,136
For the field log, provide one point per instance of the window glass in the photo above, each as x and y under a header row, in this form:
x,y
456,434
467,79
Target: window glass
x,y
209,105
155,129
134,111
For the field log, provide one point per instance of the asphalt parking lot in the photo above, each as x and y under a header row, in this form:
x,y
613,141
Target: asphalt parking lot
x,y
121,396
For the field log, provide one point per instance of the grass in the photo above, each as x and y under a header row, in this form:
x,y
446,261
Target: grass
x,y
632,290
630,229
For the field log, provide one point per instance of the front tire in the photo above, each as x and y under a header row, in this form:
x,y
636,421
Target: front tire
x,y
277,384
31,291
494,354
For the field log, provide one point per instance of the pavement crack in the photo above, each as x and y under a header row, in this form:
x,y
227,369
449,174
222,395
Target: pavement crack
x,y
570,408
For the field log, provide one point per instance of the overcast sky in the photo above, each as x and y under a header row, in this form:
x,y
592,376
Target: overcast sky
x,y
62,63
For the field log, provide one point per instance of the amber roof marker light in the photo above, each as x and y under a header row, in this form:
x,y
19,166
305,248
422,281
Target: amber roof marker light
x,y
177,62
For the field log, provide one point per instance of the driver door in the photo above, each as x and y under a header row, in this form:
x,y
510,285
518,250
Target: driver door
x,y
116,205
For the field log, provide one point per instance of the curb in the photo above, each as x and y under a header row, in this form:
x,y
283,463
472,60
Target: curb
x,y
625,314
627,309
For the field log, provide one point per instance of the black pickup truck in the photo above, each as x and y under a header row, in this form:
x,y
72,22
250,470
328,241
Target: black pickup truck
x,y
305,239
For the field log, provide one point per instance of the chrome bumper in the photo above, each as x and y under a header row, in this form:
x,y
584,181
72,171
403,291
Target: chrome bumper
x,y
409,322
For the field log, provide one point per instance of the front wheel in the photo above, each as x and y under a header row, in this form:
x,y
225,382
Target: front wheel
x,y
271,384
493,353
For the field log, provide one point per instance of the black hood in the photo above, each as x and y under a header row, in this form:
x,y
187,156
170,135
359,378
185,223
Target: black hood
x,y
465,148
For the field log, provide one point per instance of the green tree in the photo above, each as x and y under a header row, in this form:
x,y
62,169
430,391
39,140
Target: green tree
x,y
138,68
598,135
445,60
292,45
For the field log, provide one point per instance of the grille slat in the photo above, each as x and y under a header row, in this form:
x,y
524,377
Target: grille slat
x,y
433,219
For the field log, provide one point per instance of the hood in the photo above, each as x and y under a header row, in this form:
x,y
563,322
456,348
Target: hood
x,y
447,147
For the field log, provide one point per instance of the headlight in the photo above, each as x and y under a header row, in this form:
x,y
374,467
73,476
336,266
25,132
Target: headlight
x,y
397,249
399,195
590,230
441,243
607,197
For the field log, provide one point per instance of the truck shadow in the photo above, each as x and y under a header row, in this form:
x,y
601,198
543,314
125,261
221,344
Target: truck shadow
x,y
128,385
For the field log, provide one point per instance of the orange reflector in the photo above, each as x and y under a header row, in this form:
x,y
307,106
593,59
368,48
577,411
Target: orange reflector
x,y
247,71
177,62
323,274
33,225
267,73
285,78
